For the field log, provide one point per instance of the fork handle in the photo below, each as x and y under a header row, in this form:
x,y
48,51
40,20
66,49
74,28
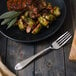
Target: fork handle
x,y
24,63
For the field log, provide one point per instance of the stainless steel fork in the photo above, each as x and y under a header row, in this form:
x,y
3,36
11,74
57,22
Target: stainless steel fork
x,y
63,39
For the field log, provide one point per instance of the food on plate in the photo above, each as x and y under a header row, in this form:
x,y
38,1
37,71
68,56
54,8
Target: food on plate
x,y
30,15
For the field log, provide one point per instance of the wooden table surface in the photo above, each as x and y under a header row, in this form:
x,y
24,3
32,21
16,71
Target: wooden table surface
x,y
55,63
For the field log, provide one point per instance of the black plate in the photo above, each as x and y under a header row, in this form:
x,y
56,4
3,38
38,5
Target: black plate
x,y
15,34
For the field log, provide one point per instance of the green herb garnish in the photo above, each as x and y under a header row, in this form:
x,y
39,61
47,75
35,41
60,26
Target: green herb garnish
x,y
5,21
9,14
10,18
12,23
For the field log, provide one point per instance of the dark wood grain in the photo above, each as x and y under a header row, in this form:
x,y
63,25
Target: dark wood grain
x,y
70,66
68,21
51,64
73,12
17,52
3,47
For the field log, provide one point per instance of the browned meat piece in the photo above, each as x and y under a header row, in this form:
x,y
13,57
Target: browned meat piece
x,y
22,4
28,29
40,4
33,11
16,4
29,2
9,3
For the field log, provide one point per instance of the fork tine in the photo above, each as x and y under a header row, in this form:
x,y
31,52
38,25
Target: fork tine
x,y
63,39
62,36
66,41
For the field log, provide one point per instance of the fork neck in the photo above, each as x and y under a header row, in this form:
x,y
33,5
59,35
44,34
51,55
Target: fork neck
x,y
50,47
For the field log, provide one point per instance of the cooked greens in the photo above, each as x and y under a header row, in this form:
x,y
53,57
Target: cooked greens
x,y
10,14
10,18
